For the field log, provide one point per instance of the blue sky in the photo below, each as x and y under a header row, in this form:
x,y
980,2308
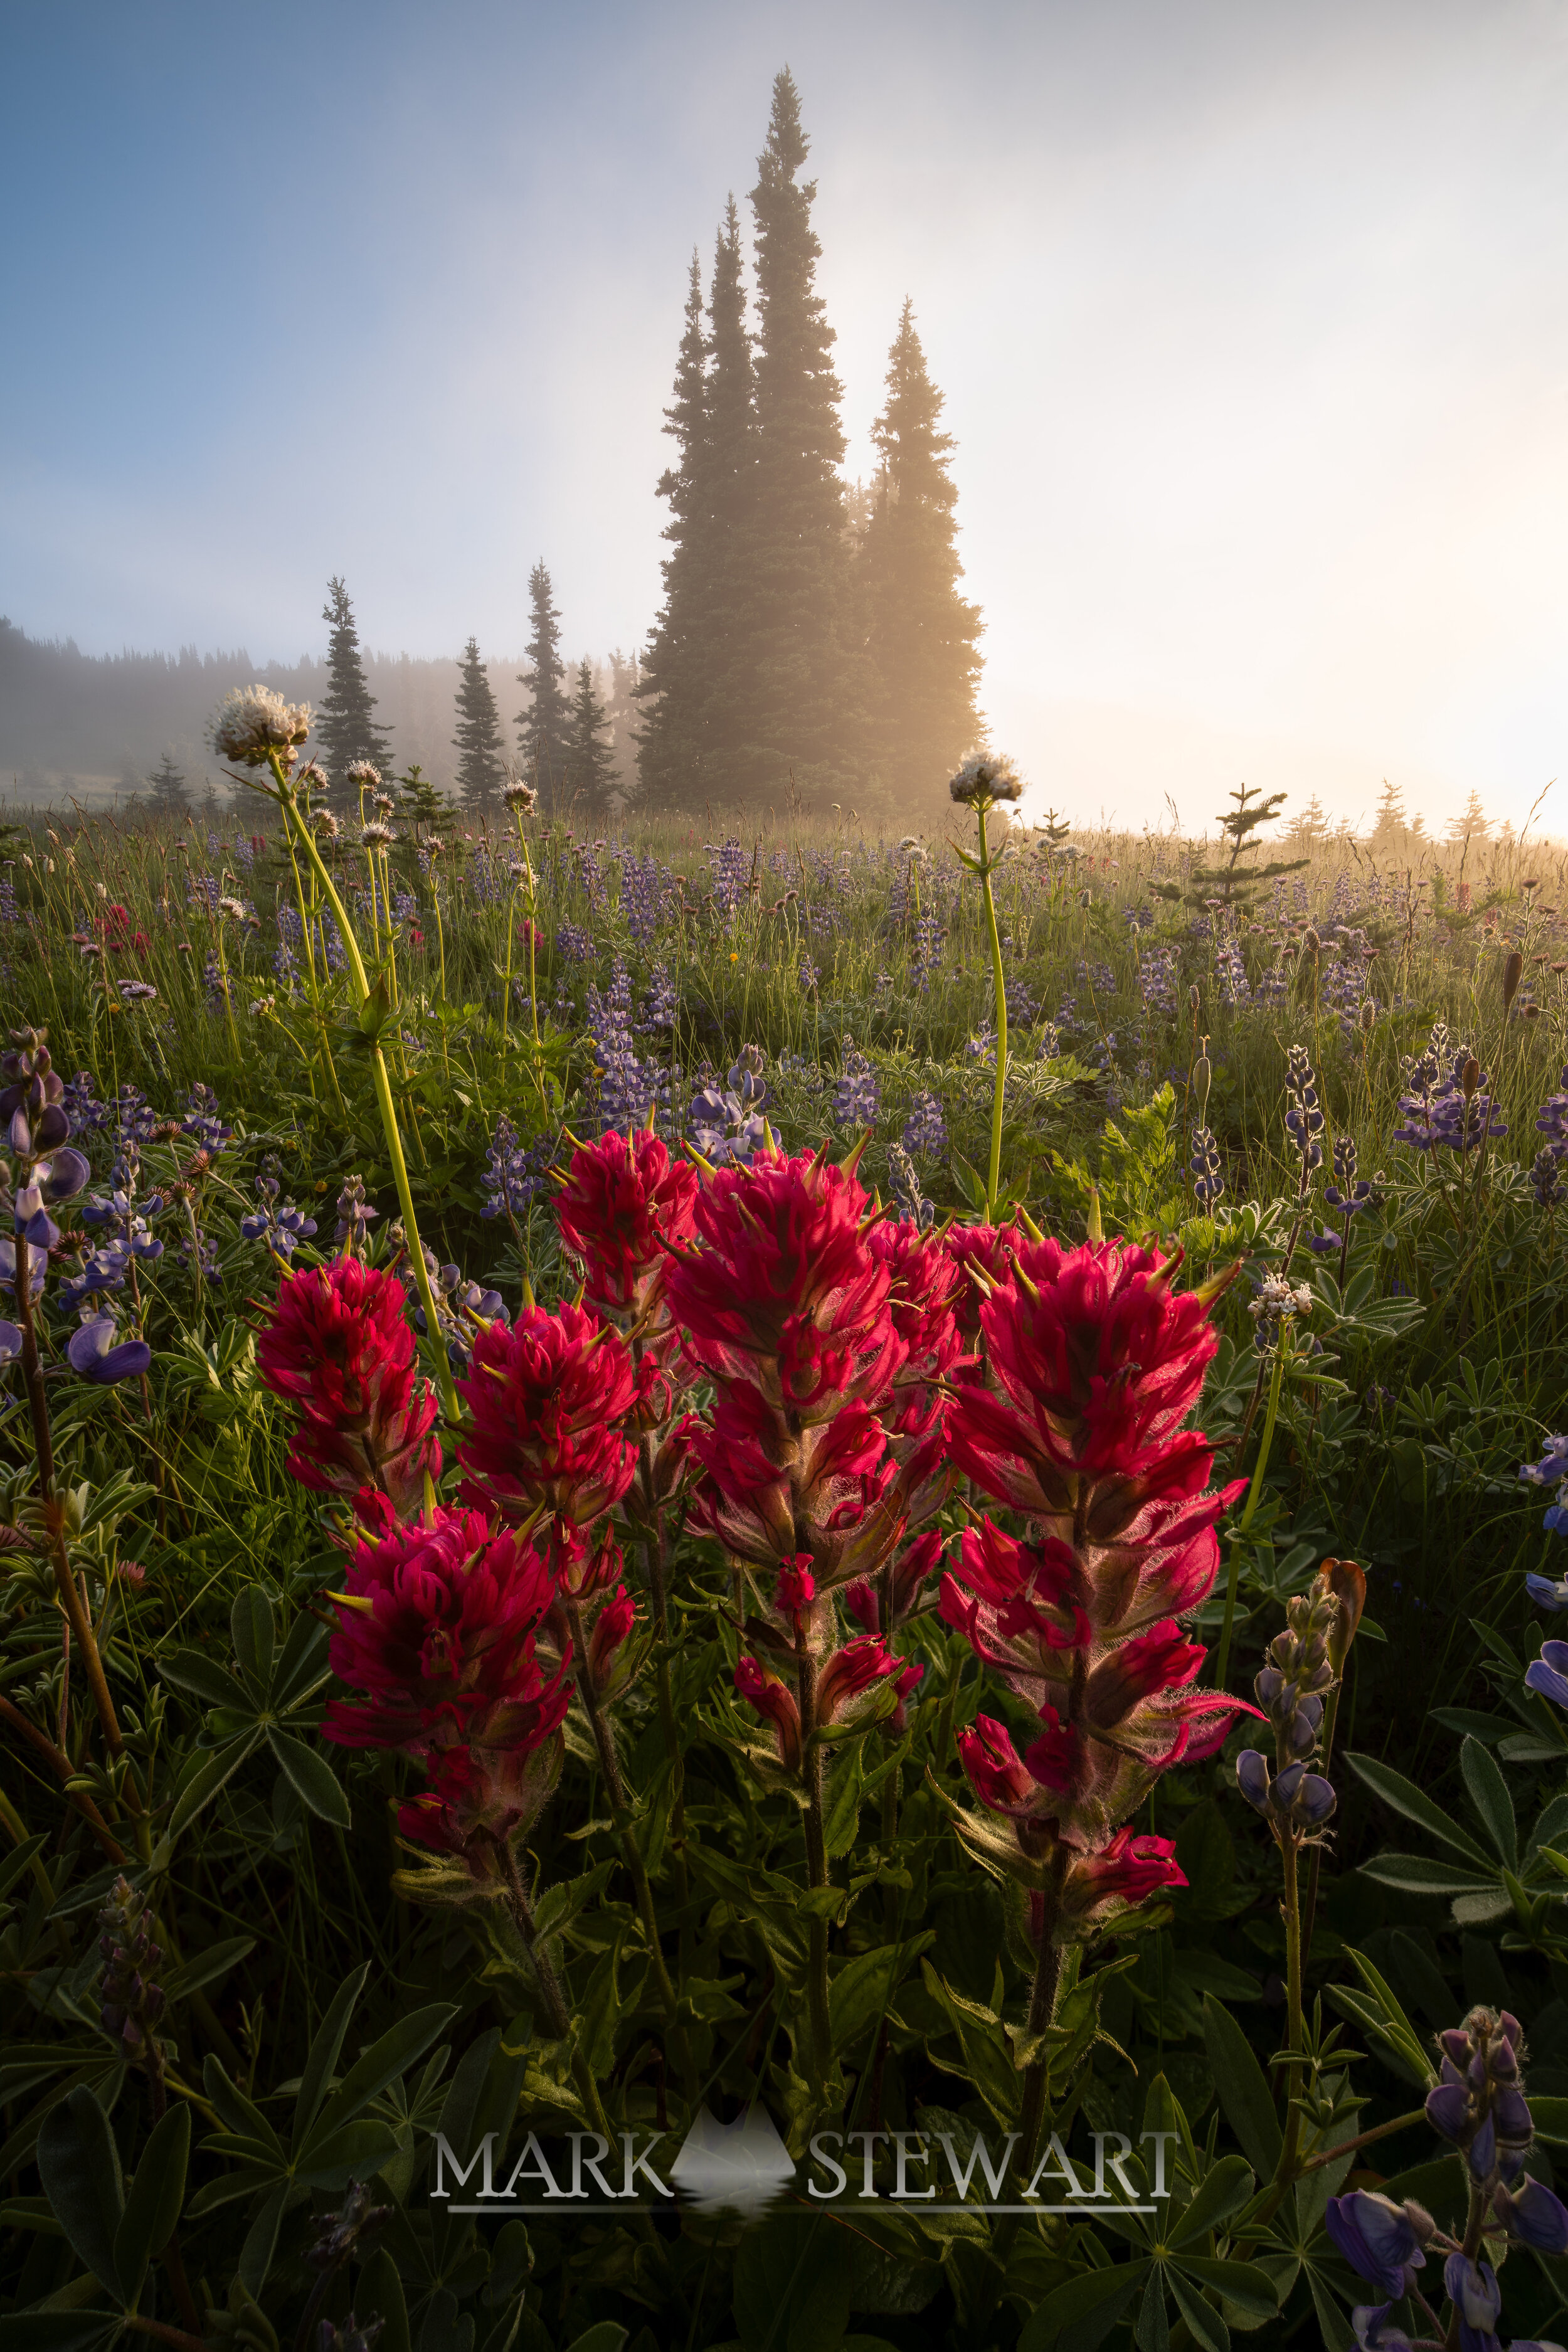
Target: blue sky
x,y
1252,324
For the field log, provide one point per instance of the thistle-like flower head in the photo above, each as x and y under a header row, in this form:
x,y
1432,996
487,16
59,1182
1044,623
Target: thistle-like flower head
x,y
253,723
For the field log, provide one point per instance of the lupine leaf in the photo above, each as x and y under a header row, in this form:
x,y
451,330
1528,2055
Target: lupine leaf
x,y
1489,1795
80,2166
1406,1798
254,1630
1242,2088
310,1776
157,2193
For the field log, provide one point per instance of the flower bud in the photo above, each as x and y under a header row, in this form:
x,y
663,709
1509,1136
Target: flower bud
x,y
1513,973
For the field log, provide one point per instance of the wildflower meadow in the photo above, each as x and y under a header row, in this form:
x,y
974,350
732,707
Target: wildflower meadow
x,y
779,1592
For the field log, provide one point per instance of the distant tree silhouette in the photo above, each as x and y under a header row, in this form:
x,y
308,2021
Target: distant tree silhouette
x,y
420,802
676,670
922,634
167,789
481,763
344,727
542,729
590,754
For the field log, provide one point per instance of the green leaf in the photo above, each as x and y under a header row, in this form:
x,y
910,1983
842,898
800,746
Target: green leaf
x,y
80,2166
1223,2190
199,1676
1417,1876
842,1819
61,2331
261,2238
1247,2286
16,1861
1470,1720
320,2063
157,2193
1550,2116
1080,2314
858,1995
303,1663
392,2055
1488,1793
207,1967
1242,2088
379,2288
605,2335
253,1632
238,2114
310,1776
332,2160
212,1774
1406,1798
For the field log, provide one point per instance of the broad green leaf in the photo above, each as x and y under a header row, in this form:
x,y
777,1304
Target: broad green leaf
x,y
1247,2286
320,2064
80,2166
379,2288
1152,2330
1417,1875
207,1967
1204,2323
1080,2314
157,2193
354,2152
310,1776
193,1671
858,1995
606,2336
210,1776
302,1662
253,1632
261,2238
1489,1795
1242,2088
18,1860
1469,1720
238,2114
843,1818
396,2051
1222,2190
1406,1798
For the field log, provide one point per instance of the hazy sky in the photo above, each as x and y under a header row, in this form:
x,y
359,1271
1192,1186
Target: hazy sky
x,y
1251,322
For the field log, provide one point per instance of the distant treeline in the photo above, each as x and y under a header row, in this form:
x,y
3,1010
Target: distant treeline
x,y
71,721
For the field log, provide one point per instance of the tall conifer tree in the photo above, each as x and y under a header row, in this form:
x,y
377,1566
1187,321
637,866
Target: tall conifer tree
x,y
796,674
544,727
344,727
590,753
729,486
169,792
674,676
922,634
481,763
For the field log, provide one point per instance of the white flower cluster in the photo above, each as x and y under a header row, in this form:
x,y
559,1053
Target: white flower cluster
x,y
364,772
989,777
1275,1302
253,723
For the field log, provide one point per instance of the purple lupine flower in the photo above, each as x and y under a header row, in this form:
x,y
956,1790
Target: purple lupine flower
x,y
572,942
514,1173
282,1228
809,975
10,1342
1383,2242
98,1354
728,1125
1207,1168
1549,1673
925,1129
1552,1470
857,1098
661,1004
1369,2325
1303,1117
1546,1177
626,1090
1534,2215
1473,2288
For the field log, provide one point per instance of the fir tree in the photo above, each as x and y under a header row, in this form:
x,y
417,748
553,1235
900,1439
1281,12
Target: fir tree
x,y
589,755
1473,824
481,763
344,727
1231,882
1390,824
675,671
544,727
789,698
170,793
728,482
922,634
420,802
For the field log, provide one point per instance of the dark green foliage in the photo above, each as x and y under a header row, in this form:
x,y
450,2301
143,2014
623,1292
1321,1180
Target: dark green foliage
x,y
672,690
922,637
545,729
419,803
481,759
344,729
590,754
1234,884
167,788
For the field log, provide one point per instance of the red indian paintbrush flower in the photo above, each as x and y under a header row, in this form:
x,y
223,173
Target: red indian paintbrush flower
x,y
339,1347
1099,1363
551,1397
438,1640
623,1204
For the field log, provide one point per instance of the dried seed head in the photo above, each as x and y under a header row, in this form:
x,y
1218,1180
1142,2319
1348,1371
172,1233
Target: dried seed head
x,y
1471,1076
1512,972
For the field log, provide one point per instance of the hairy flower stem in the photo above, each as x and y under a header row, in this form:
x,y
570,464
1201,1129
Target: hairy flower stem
x,y
1474,2226
999,983
1290,1845
811,1771
555,2009
54,1520
385,1103
1249,1507
620,1812
1044,1995
655,1552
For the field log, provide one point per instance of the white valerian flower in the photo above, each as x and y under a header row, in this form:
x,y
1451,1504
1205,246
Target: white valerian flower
x,y
385,804
518,795
434,845
313,774
102,889
364,772
226,905
376,836
326,824
988,778
253,723
1277,1301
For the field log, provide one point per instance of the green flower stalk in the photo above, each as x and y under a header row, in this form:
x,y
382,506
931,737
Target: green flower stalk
x,y
984,783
